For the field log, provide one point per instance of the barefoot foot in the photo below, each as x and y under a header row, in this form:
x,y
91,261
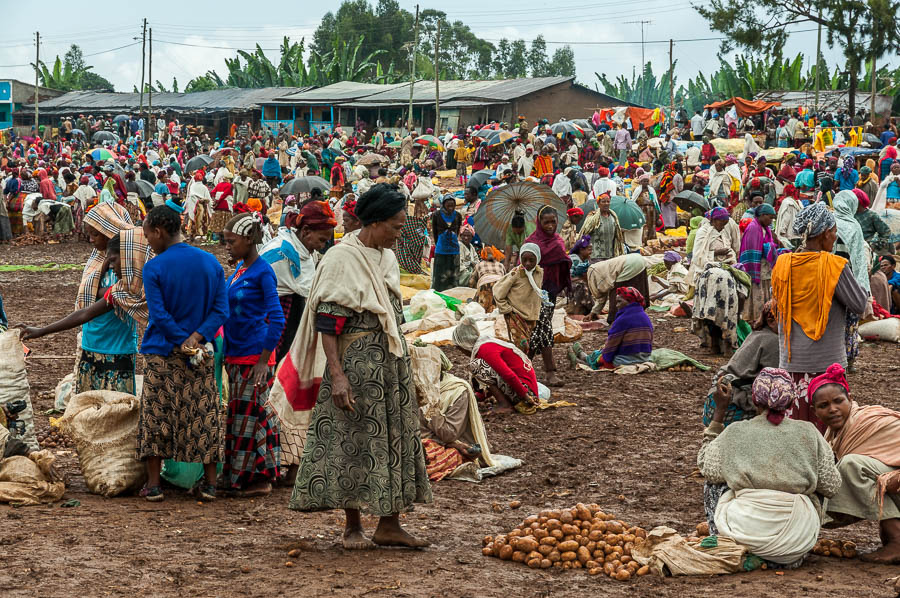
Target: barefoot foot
x,y
355,539
886,555
397,536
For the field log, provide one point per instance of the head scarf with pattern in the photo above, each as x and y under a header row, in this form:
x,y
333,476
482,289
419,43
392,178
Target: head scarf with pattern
x,y
813,220
317,215
630,294
833,375
774,389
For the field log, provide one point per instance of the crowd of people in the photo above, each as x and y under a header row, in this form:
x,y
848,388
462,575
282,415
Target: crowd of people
x,y
775,260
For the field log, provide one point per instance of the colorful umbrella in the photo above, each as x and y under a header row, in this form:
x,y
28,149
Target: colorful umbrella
x,y
630,215
495,138
493,217
395,143
565,127
101,153
429,141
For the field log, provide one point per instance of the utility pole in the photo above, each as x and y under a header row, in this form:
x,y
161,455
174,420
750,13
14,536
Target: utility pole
x,y
671,85
37,61
150,79
412,72
643,63
437,81
143,63
872,99
818,51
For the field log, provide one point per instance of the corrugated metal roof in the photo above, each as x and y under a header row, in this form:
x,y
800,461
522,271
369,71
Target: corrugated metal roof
x,y
214,100
343,91
830,100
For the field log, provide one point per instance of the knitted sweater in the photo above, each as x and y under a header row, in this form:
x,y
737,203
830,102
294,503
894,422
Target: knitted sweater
x,y
790,457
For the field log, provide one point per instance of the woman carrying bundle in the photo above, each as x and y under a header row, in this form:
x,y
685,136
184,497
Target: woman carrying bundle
x,y
607,239
865,440
775,470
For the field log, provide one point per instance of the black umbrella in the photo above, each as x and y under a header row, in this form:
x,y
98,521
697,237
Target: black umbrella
x,y
687,200
198,162
101,136
121,117
480,178
144,188
304,184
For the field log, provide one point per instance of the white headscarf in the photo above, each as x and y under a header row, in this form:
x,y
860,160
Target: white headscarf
x,y
533,249
562,186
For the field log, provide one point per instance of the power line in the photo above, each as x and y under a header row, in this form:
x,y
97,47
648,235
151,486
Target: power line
x,y
28,64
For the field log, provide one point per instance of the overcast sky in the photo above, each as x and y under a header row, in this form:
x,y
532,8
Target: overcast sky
x,y
223,24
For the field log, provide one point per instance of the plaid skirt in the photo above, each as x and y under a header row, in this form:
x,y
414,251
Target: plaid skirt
x,y
100,371
252,447
180,415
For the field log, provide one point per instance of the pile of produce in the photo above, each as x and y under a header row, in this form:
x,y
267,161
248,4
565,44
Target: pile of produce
x,y
837,548
683,368
583,537
53,438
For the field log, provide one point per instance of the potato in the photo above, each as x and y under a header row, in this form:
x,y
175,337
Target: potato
x,y
566,517
556,533
641,533
643,571
837,552
616,564
545,514
540,533
506,552
608,549
534,563
534,554
600,514
599,526
553,524
553,514
629,546
514,534
549,541
582,512
591,546
609,569
591,564
625,559
516,504
583,555
500,540
526,544
546,563
568,556
545,550
487,540
849,553
703,529
610,539
598,555
570,546
623,575
628,538
488,550
595,571
554,556
558,564
570,530
633,566
518,556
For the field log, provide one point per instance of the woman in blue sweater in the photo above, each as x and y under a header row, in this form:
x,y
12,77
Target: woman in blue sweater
x,y
188,303
252,331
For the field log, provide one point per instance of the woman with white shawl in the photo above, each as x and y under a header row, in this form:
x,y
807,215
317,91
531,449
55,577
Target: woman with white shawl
x,y
198,206
562,186
720,182
718,240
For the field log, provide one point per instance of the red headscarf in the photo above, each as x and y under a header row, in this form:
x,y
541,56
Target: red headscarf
x,y
630,294
862,196
317,215
833,375
574,212
603,171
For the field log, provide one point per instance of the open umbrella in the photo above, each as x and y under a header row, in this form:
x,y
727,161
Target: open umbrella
x,y
630,215
101,136
77,132
370,159
480,178
121,118
493,126
687,200
395,143
495,138
101,153
429,141
492,219
565,127
304,184
221,151
144,188
152,155
585,126
198,162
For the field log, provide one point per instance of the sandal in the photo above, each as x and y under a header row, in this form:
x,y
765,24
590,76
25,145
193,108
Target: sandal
x,y
152,493
204,491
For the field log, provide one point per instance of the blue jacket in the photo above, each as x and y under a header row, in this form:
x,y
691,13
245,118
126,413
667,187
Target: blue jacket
x,y
185,289
256,319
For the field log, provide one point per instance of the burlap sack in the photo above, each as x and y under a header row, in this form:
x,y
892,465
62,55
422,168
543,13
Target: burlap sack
x,y
667,553
104,426
30,480
14,383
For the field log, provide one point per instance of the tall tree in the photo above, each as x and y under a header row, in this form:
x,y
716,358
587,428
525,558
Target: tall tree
x,y
518,60
862,28
563,63
501,58
71,73
538,63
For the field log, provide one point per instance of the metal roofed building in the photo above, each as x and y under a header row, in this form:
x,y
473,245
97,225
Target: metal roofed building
x,y
830,100
462,103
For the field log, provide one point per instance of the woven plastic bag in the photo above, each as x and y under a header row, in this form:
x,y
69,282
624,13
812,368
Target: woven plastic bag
x,y
14,383
104,426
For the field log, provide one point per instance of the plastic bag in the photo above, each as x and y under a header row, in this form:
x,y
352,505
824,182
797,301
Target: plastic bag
x,y
425,303
424,188
63,391
887,329
184,475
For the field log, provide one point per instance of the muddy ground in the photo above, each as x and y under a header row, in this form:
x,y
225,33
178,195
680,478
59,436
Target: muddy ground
x,y
629,445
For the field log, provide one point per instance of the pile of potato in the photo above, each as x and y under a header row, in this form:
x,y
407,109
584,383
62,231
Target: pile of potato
x,y
682,368
53,438
836,548
583,537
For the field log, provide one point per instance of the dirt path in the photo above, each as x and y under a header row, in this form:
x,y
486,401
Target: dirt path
x,y
629,445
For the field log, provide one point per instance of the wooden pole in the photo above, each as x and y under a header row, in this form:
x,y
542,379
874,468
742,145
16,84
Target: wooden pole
x,y
874,86
671,85
143,64
412,71
437,81
150,79
818,51
37,61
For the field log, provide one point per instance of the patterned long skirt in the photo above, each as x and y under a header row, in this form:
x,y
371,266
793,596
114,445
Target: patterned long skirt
x,y
252,446
370,458
802,409
851,336
180,415
219,219
542,335
292,305
15,223
486,296
520,331
100,371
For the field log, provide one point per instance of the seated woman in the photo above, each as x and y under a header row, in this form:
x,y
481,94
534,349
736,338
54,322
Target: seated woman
x,y
673,287
498,370
579,297
865,444
630,338
468,254
488,271
603,278
519,297
774,467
